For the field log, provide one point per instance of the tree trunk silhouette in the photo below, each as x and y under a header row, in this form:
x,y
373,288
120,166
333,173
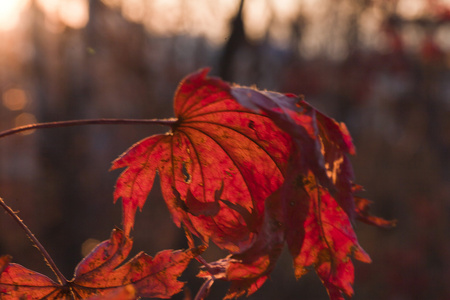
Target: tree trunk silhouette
x,y
61,94
236,41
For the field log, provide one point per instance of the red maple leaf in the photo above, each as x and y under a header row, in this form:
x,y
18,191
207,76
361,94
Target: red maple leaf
x,y
252,171
216,167
101,275
313,209
329,243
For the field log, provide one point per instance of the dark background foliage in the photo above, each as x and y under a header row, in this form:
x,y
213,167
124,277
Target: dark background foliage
x,y
382,67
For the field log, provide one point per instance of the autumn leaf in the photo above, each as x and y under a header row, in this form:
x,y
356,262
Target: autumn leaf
x,y
253,171
247,271
127,292
336,145
313,210
297,120
216,167
4,261
18,282
329,243
364,214
322,142
101,274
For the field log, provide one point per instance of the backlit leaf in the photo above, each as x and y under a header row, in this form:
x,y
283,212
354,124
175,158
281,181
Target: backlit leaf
x,y
248,270
17,281
102,274
364,215
312,210
329,243
252,171
4,261
217,165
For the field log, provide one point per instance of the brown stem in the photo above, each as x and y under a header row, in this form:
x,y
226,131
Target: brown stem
x,y
204,290
205,264
62,280
167,122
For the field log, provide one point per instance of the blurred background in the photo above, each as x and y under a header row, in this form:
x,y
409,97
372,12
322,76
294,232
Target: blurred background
x,y
380,66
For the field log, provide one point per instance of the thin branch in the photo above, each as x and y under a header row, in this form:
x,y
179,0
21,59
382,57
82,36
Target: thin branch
x,y
204,290
205,264
167,122
62,280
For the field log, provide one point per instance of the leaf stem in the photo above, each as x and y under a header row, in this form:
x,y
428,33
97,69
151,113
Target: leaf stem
x,y
201,260
167,122
204,289
62,280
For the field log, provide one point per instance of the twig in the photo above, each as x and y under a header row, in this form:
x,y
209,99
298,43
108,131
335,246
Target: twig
x,y
62,280
167,122
204,290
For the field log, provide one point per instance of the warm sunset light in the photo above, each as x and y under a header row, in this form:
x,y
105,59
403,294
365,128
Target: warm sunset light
x,y
268,129
15,99
73,13
10,13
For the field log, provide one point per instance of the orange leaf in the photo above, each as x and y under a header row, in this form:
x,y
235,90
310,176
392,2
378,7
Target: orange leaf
x,y
101,274
4,261
18,282
364,215
127,292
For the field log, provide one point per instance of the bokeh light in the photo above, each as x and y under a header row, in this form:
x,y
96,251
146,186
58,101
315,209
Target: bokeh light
x,y
10,12
25,119
15,99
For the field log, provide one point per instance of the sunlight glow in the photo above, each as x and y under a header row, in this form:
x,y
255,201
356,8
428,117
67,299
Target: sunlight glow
x,y
134,10
257,16
272,19
73,13
262,19
15,99
411,8
10,11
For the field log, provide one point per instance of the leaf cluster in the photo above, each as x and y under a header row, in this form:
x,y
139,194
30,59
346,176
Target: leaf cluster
x,y
251,171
